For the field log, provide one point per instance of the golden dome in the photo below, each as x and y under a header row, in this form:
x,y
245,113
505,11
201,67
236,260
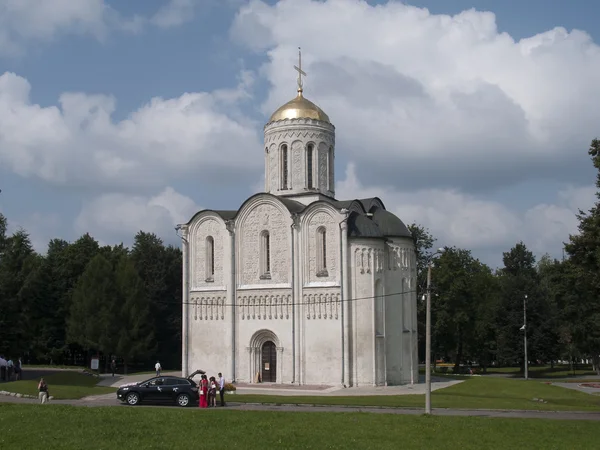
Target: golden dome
x,y
299,108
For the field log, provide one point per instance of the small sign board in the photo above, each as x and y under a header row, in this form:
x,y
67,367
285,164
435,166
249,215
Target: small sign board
x,y
266,366
95,362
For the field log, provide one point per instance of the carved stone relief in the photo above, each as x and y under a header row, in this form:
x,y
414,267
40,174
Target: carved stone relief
x,y
322,219
209,227
306,135
273,168
322,305
265,305
297,164
208,307
323,149
265,217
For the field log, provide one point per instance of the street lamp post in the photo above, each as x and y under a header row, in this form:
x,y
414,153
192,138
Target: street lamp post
x,y
525,333
428,336
428,344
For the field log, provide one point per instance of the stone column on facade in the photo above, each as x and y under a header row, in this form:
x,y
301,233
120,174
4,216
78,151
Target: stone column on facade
x,y
279,379
250,368
231,300
374,312
345,301
296,299
185,302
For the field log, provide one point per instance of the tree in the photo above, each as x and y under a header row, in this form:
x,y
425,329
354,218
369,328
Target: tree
x,y
92,306
159,268
136,336
18,259
520,284
461,282
584,251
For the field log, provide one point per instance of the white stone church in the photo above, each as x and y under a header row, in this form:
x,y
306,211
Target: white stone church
x,y
296,287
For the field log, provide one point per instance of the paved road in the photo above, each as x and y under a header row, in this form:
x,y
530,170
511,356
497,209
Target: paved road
x,y
110,400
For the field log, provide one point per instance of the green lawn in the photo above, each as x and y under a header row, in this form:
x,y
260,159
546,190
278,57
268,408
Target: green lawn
x,y
66,427
473,393
561,371
65,385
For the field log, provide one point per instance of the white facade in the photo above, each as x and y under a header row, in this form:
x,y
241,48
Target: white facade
x,y
295,286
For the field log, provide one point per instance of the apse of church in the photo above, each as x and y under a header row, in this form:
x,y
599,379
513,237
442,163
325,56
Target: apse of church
x,y
296,286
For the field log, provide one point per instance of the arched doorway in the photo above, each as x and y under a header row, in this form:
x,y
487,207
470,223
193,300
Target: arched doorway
x,y
269,362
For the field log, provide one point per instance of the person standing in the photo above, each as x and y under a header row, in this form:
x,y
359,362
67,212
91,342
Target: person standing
x,y
222,388
204,392
2,368
158,368
10,368
113,366
43,391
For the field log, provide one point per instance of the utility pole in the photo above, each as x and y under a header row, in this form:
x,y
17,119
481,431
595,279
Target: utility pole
x,y
525,333
428,344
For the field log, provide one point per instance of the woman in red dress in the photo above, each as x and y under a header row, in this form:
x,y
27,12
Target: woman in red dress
x,y
204,392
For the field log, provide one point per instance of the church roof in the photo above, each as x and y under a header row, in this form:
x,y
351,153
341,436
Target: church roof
x,y
374,221
388,223
359,225
299,108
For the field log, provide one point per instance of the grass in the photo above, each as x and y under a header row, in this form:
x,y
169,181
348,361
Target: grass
x,y
61,385
473,393
67,427
559,371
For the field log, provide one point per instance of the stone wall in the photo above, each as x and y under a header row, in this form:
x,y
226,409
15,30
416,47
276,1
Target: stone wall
x,y
204,226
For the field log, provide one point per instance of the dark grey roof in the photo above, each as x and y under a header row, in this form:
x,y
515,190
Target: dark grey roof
x,y
373,222
389,224
226,214
360,225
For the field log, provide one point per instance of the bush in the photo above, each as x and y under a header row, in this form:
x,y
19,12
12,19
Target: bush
x,y
230,387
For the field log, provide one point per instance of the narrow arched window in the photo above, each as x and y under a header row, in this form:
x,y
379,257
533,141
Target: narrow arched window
x,y
309,166
330,167
210,258
265,255
321,246
284,166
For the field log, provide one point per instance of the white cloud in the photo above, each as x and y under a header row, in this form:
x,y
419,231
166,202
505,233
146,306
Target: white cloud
x,y
409,90
78,143
118,217
22,21
485,226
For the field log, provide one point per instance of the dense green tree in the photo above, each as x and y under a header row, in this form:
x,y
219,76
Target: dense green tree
x,y
135,329
584,251
18,259
461,282
158,268
521,287
92,306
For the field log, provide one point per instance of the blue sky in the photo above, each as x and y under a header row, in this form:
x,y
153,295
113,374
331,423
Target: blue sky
x,y
112,169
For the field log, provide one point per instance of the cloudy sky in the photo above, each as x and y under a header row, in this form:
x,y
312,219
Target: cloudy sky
x,y
470,117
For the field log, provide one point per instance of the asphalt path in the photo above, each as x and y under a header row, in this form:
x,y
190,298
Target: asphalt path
x,y
110,400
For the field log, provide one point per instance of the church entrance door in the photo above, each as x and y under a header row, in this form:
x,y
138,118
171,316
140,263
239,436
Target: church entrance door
x,y
269,362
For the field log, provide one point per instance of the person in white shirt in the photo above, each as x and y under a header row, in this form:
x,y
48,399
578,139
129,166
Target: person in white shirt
x,y
9,369
158,368
222,388
3,367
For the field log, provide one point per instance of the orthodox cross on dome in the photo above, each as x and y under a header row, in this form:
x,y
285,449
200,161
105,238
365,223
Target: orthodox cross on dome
x,y
299,70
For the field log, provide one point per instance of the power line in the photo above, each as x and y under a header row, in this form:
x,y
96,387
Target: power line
x,y
355,299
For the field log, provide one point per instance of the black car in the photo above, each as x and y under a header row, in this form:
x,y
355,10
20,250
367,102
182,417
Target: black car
x,y
182,391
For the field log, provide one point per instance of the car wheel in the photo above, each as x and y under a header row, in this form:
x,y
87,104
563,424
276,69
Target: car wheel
x,y
183,400
133,398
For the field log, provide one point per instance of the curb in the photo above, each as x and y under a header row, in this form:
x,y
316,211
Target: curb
x,y
14,394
